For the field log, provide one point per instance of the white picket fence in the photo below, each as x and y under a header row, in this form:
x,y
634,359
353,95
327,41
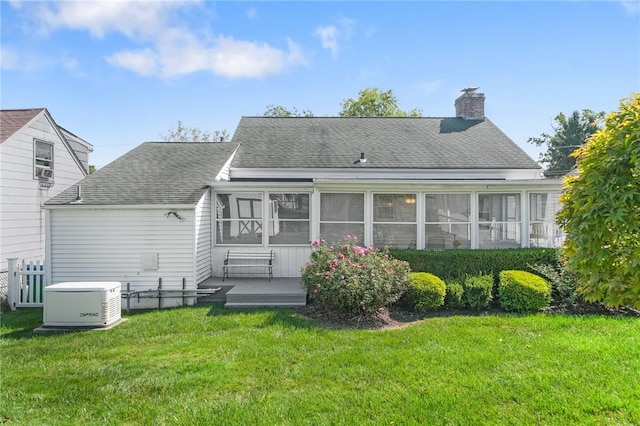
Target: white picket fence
x,y
26,284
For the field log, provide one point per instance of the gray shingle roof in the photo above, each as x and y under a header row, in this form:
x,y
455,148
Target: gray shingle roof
x,y
12,120
409,143
153,173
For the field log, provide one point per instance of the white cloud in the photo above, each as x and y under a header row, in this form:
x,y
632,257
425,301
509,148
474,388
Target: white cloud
x,y
429,86
164,47
329,38
8,58
13,59
332,36
631,7
134,19
71,64
143,62
184,54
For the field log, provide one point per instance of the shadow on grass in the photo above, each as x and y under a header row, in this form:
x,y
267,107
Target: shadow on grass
x,y
285,317
22,322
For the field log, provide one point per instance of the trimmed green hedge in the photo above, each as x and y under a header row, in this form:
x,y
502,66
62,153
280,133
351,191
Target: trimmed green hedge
x,y
457,264
425,292
478,291
522,291
454,297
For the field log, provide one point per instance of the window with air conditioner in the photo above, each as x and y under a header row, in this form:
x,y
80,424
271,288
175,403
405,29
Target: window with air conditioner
x,y
43,160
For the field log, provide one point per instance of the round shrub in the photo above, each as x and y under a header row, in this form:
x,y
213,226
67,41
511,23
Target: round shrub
x,y
425,292
354,279
453,298
478,291
521,291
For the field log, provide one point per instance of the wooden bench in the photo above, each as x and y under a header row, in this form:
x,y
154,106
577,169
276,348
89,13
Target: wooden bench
x,y
247,258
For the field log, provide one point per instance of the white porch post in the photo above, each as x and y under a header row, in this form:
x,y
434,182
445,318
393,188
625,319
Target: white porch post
x,y
474,220
524,217
47,248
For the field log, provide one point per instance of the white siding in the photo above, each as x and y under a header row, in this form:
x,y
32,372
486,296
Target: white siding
x,y
108,245
203,238
287,261
21,218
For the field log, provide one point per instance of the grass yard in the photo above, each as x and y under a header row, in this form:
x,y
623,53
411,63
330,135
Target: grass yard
x,y
208,365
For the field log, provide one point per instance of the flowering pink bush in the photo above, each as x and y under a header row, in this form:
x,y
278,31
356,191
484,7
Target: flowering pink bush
x,y
355,279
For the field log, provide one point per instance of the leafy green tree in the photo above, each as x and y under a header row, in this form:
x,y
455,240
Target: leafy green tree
x,y
193,134
92,169
569,133
280,111
601,211
372,102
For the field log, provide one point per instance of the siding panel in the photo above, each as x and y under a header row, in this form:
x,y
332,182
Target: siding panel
x,y
287,263
107,245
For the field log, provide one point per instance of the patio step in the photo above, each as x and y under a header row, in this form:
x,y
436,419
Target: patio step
x,y
254,292
289,293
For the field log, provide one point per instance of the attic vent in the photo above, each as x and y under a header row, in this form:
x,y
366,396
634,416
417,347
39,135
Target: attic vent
x,y
78,199
362,159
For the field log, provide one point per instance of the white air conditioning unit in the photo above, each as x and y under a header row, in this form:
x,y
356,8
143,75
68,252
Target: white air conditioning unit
x,y
82,304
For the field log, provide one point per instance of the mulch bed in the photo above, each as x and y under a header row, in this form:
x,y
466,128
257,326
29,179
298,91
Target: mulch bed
x,y
397,317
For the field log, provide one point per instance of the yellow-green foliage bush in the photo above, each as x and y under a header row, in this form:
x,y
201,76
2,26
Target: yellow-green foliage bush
x,y
453,299
601,207
426,291
521,291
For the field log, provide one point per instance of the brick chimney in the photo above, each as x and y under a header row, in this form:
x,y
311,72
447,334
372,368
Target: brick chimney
x,y
470,105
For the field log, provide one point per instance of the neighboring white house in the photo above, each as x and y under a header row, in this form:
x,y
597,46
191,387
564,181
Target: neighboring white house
x,y
425,183
38,160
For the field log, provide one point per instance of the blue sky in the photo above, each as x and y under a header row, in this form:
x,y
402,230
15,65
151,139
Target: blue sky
x,y
119,73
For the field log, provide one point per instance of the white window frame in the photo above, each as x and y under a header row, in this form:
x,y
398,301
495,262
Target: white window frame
x,y
271,221
469,223
42,171
265,219
416,205
498,228
543,231
350,222
223,220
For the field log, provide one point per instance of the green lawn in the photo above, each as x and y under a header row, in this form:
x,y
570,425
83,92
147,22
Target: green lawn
x,y
208,365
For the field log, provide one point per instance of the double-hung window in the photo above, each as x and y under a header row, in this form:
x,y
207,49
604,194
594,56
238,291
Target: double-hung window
x,y
43,160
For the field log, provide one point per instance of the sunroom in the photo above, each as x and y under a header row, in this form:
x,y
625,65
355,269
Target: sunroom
x,y
426,216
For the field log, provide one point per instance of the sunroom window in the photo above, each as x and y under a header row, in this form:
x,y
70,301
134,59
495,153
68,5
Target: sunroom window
x,y
394,220
499,220
341,214
239,218
543,231
289,221
447,221
43,160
